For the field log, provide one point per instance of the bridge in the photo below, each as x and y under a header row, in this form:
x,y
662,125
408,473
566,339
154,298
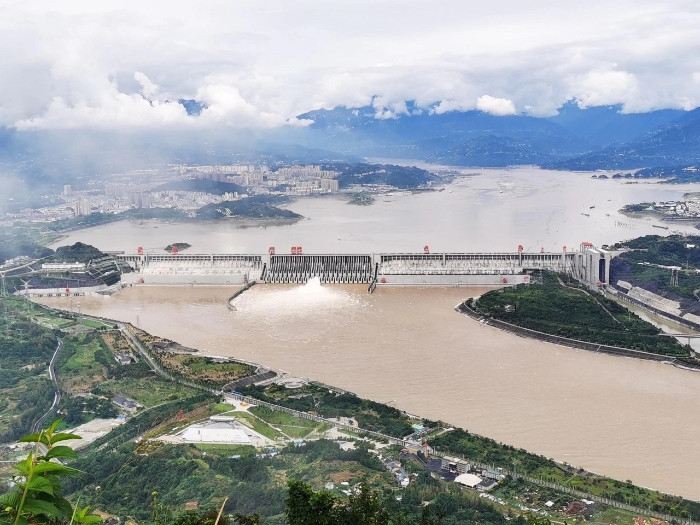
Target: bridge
x,y
588,264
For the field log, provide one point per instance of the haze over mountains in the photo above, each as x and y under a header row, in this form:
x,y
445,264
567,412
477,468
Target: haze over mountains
x,y
602,137
594,138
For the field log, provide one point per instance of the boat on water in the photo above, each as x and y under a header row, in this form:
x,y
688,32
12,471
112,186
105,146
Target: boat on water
x,y
500,191
586,214
660,227
592,207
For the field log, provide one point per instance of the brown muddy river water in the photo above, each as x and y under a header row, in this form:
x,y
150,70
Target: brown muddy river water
x,y
625,418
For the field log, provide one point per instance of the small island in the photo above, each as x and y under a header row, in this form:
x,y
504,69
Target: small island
x,y
258,207
361,198
179,246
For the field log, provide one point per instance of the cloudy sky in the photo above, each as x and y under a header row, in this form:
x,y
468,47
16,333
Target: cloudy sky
x,y
82,64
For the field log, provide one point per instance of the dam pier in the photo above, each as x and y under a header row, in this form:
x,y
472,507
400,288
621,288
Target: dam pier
x,y
587,264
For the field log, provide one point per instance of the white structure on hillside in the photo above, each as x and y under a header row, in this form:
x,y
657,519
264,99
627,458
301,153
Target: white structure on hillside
x,y
215,432
468,480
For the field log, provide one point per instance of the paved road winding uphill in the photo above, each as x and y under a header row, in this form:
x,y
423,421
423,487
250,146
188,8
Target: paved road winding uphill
x,y
57,394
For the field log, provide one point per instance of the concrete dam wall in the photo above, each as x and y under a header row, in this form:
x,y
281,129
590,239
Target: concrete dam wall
x,y
419,269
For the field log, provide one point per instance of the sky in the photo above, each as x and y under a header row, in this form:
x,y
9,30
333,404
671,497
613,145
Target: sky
x,y
259,64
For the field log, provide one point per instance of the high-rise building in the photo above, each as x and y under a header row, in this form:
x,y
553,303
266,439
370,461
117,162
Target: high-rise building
x,y
330,185
140,199
116,191
67,189
82,207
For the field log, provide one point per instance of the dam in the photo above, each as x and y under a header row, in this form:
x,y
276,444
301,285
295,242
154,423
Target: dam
x,y
588,264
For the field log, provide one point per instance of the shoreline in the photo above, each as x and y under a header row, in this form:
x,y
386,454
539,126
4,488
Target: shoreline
x,y
576,344
560,463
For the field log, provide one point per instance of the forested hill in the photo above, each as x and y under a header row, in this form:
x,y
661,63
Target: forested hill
x,y
258,207
402,177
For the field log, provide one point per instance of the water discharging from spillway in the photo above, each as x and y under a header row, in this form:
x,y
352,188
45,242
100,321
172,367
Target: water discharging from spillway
x,y
294,313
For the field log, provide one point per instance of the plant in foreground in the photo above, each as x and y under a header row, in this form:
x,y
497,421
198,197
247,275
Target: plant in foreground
x,y
36,494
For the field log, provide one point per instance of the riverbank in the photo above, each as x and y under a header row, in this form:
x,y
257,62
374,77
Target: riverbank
x,y
394,424
486,380
466,309
572,313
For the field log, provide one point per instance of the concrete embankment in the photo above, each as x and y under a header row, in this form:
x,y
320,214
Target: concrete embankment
x,y
239,292
466,309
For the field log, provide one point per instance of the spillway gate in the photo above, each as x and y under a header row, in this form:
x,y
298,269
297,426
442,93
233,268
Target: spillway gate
x,y
328,268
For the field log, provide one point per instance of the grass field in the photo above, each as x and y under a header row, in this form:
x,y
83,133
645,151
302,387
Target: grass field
x,y
94,323
149,392
55,321
290,425
83,356
256,424
227,450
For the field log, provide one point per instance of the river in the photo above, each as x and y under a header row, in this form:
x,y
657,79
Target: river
x,y
496,210
626,418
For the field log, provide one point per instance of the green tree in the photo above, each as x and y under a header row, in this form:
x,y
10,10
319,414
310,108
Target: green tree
x,y
306,507
365,507
36,496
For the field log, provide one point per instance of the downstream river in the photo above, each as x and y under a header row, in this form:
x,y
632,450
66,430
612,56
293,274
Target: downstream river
x,y
496,210
626,418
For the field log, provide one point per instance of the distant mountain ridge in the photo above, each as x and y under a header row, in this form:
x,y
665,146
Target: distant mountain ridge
x,y
575,139
583,139
462,138
603,125
673,144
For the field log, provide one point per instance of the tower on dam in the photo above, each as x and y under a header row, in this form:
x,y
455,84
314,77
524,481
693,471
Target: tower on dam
x,y
588,264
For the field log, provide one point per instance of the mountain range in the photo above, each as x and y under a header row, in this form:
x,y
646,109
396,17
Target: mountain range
x,y
594,138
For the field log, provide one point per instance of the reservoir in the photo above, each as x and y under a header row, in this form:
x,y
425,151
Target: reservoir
x,y
626,418
494,211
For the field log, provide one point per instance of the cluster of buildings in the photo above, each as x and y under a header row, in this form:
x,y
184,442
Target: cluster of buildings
x,y
16,261
470,476
293,180
134,189
677,210
119,198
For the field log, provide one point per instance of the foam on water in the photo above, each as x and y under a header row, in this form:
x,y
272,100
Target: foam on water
x,y
301,305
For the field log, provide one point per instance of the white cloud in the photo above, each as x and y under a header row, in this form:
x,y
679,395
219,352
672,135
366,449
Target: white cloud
x,y
148,88
78,64
495,106
599,88
445,106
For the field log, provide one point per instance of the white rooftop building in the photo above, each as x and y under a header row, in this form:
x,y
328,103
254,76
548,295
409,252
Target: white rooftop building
x,y
215,432
468,480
